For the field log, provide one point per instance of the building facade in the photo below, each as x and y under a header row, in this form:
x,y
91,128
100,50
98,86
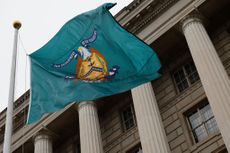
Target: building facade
x,y
186,110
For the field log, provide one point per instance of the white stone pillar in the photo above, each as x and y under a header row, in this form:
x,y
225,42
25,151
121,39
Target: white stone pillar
x,y
212,73
90,134
43,143
149,122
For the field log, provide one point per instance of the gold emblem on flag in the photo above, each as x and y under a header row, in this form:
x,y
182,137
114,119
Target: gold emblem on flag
x,y
93,67
91,64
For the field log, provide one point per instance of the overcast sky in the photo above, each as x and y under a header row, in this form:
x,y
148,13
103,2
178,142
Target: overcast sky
x,y
40,19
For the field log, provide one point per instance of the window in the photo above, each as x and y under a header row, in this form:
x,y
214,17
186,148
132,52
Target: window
x,y
128,117
19,120
135,149
2,131
78,148
202,122
185,76
224,151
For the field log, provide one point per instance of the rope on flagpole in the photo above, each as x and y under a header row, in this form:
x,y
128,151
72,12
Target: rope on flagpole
x,y
26,56
26,70
25,89
23,46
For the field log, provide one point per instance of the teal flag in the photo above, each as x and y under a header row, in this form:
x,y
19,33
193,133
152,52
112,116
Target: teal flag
x,y
91,57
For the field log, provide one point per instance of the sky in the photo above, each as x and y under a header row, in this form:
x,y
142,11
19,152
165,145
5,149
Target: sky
x,y
40,20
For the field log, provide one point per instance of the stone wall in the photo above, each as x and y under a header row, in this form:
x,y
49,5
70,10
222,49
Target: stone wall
x,y
115,138
173,105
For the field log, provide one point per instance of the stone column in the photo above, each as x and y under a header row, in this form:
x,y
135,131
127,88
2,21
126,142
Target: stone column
x,y
149,122
43,143
212,73
90,134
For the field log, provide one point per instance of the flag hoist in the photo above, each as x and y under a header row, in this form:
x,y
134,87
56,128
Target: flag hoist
x,y
9,113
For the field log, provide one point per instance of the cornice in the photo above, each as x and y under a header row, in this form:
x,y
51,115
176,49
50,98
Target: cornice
x,y
19,105
134,5
22,99
147,15
18,102
168,19
20,137
133,9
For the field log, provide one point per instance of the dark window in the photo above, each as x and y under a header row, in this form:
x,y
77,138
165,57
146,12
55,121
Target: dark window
x,y
202,122
2,131
78,148
128,117
19,120
135,149
185,76
223,151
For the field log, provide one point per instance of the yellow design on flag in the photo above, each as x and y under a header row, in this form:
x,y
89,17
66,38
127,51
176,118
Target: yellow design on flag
x,y
94,67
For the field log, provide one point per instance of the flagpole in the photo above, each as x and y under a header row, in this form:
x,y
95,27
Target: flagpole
x,y
9,113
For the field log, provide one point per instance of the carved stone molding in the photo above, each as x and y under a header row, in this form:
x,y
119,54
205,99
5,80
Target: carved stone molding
x,y
134,5
22,99
147,15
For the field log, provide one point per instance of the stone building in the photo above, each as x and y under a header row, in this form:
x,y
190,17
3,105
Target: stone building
x,y
186,110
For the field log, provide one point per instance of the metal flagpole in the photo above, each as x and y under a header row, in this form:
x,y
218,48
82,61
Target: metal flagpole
x,y
9,113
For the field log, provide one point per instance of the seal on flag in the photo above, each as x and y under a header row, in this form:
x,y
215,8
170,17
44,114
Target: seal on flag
x,y
91,64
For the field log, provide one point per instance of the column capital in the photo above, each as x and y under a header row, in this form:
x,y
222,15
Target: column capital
x,y
84,103
43,134
43,141
190,18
